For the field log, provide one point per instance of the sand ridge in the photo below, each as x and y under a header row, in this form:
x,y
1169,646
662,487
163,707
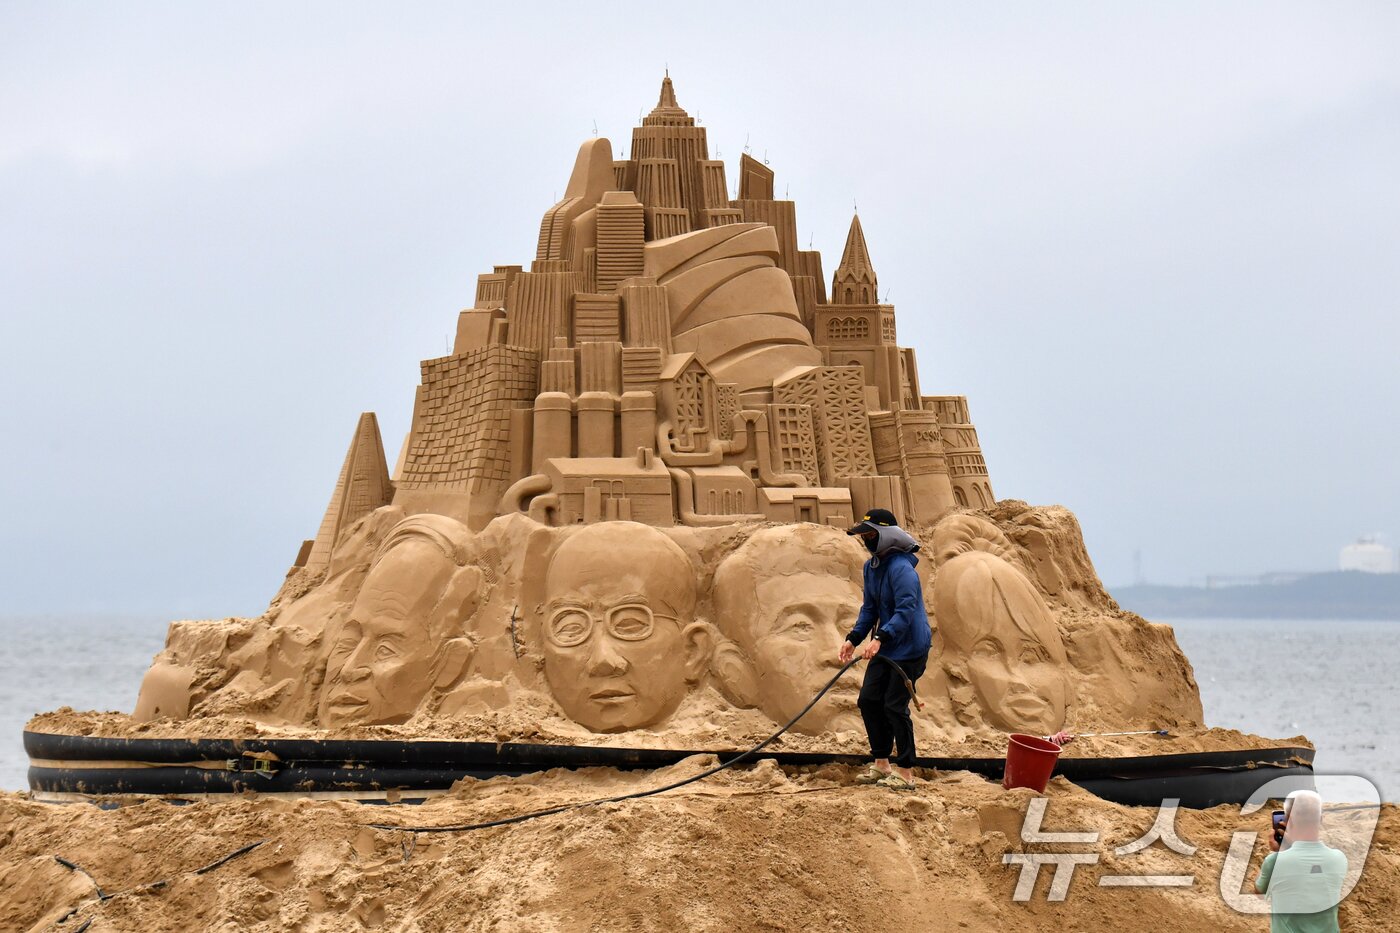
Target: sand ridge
x,y
762,848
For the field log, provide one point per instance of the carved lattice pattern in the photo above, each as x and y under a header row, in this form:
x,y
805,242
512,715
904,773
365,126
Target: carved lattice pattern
x,y
847,328
461,426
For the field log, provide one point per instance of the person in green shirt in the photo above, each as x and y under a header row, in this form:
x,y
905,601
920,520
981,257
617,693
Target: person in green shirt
x,y
1302,877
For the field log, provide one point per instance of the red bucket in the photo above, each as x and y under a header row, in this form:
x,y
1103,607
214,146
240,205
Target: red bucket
x,y
1030,761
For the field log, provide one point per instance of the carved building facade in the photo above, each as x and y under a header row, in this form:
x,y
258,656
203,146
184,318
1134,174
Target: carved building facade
x,y
671,356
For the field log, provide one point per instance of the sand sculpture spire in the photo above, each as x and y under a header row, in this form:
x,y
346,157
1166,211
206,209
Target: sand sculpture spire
x,y
362,487
855,282
667,112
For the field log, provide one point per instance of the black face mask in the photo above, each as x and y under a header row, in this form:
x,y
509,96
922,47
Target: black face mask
x,y
871,543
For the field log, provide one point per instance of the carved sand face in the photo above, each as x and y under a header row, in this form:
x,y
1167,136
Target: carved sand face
x,y
620,643
382,664
804,619
788,597
1002,643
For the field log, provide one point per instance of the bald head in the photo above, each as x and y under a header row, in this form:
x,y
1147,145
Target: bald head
x,y
612,557
1304,812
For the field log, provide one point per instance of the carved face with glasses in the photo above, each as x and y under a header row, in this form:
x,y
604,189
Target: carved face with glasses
x,y
621,646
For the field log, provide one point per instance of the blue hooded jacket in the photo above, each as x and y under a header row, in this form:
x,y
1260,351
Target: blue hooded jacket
x,y
895,599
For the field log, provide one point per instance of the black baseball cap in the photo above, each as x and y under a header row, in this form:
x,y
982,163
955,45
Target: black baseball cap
x,y
873,520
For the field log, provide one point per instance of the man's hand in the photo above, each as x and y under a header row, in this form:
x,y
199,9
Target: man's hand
x,y
1061,738
847,650
871,649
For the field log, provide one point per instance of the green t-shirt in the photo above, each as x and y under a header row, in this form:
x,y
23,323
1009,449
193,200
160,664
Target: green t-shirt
x,y
1304,884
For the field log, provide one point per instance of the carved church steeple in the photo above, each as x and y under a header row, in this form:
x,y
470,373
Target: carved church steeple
x,y
854,282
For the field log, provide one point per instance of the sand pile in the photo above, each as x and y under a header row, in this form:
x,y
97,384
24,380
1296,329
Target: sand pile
x,y
757,849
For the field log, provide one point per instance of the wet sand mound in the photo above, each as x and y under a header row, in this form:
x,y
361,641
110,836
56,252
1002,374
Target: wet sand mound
x,y
744,850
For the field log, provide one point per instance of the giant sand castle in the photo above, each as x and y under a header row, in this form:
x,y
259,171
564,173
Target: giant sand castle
x,y
618,514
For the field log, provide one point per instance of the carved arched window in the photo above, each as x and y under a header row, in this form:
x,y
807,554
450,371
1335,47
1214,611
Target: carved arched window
x,y
847,328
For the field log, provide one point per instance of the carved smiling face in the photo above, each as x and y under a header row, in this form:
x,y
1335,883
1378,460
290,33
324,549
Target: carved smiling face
x,y
1001,641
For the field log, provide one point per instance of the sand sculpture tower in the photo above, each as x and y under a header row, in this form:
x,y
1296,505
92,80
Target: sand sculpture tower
x,y
670,356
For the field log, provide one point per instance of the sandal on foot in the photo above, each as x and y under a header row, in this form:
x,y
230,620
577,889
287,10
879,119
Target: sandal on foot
x,y
895,782
871,775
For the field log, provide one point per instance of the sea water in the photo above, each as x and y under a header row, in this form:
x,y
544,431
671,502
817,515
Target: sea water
x,y
86,662
1334,682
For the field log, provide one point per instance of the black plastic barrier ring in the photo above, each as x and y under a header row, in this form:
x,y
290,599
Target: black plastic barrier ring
x,y
1201,779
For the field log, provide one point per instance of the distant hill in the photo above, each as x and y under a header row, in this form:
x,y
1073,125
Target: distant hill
x,y
1342,595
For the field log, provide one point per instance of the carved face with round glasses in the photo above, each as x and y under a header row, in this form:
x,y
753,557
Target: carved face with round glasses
x,y
621,646
570,623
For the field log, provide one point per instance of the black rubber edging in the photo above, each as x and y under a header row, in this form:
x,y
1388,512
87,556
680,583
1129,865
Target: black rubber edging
x,y
438,753
1201,789
1202,779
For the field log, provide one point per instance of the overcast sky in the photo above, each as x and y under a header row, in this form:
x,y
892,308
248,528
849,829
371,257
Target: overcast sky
x,y
1155,244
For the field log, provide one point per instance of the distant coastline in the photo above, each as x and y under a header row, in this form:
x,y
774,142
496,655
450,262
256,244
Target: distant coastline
x,y
1340,595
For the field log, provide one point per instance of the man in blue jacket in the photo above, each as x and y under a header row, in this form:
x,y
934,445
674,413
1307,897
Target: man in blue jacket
x,y
893,615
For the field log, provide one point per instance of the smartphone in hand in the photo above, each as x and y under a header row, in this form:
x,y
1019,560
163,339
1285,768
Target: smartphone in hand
x,y
1278,817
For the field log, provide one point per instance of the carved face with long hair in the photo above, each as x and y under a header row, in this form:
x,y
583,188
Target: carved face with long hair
x,y
1003,653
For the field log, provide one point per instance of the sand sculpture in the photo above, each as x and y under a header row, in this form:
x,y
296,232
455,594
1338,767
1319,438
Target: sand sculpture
x,y
404,635
617,628
785,601
618,507
671,356
1000,648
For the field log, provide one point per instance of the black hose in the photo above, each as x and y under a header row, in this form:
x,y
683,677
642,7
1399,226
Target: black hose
x,y
908,683
228,858
74,866
521,818
151,886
